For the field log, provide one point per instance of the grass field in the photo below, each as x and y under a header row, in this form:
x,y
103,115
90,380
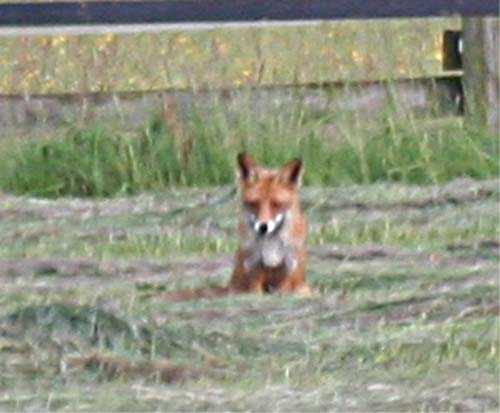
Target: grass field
x,y
405,317
103,160
99,225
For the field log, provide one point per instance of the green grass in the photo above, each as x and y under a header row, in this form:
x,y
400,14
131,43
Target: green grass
x,y
403,254
101,162
85,324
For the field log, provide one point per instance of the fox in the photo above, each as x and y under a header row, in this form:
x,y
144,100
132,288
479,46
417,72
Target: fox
x,y
272,231
272,255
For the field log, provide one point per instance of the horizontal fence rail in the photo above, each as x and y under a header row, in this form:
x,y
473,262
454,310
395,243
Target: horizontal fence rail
x,y
202,11
225,57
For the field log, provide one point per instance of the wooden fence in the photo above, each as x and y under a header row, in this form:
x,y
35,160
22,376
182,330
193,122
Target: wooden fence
x,y
192,11
109,54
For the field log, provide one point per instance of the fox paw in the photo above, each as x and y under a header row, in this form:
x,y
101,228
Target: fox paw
x,y
305,291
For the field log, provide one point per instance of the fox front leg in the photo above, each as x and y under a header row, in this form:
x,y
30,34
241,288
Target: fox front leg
x,y
290,260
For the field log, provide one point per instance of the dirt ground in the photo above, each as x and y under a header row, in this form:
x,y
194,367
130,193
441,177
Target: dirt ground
x,y
405,315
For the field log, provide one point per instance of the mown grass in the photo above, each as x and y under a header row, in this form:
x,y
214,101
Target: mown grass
x,y
85,324
406,312
102,162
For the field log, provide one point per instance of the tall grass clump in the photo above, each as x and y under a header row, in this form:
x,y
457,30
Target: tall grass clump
x,y
99,162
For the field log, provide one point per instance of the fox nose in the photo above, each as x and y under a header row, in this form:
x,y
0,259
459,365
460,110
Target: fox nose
x,y
263,228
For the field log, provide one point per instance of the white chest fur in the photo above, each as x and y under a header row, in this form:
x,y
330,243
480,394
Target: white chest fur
x,y
270,253
273,250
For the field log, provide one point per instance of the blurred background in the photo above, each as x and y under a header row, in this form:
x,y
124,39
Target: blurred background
x,y
117,166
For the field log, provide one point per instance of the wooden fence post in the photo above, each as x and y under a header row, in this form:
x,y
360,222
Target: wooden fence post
x,y
481,72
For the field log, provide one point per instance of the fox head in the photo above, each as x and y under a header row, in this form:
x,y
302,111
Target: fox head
x,y
269,196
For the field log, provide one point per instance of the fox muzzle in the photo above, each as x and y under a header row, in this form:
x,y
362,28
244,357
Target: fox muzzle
x,y
267,228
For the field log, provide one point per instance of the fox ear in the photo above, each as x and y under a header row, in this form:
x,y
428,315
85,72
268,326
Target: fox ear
x,y
292,172
246,166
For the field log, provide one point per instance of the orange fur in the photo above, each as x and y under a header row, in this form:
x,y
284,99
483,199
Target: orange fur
x,y
266,193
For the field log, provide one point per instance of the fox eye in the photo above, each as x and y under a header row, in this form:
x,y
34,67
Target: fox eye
x,y
277,205
251,204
